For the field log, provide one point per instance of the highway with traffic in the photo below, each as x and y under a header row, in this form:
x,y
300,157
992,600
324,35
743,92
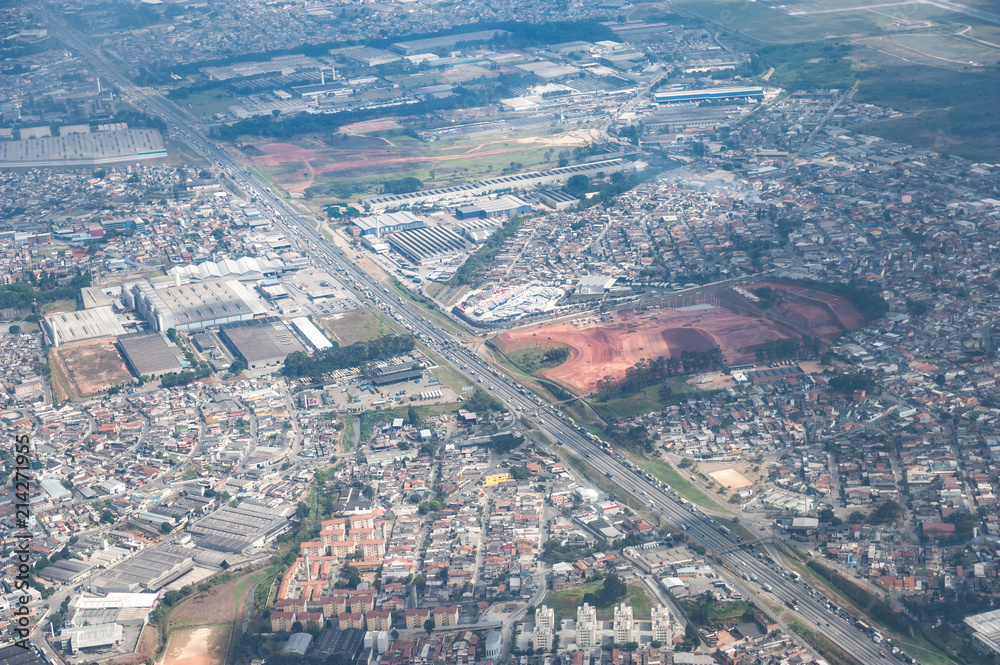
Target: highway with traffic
x,y
810,608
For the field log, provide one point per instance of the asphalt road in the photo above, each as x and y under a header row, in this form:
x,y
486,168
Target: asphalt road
x,y
701,528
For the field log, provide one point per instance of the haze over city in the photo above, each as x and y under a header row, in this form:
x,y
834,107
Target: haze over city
x,y
527,333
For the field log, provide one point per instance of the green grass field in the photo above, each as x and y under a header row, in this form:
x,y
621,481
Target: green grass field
x,y
671,476
357,325
565,601
646,400
533,359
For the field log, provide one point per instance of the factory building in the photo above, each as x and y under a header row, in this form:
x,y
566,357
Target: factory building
x,y
65,327
479,230
148,354
150,569
239,529
504,206
196,305
591,285
308,330
262,343
707,93
422,244
558,199
389,222
248,268
75,640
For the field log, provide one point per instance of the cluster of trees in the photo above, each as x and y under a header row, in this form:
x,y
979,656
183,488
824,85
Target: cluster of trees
x,y
299,364
848,383
506,443
43,289
172,379
964,522
520,473
554,551
649,372
692,640
636,438
950,609
619,183
706,611
790,348
614,590
556,356
471,271
481,402
402,185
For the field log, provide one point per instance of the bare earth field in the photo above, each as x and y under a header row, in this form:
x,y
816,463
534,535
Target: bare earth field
x,y
730,478
822,314
198,646
217,604
89,366
609,349
603,349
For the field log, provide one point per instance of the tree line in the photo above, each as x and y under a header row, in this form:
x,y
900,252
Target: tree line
x,y
306,123
649,372
472,270
790,348
45,288
299,364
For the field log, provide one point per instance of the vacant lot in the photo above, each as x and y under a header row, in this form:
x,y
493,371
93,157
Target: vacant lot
x,y
205,645
358,325
352,163
565,601
605,349
88,367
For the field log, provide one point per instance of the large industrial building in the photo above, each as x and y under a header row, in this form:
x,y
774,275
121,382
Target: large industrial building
x,y
193,306
389,222
65,327
150,569
985,629
422,244
591,285
91,637
148,354
239,529
707,93
261,343
248,268
504,206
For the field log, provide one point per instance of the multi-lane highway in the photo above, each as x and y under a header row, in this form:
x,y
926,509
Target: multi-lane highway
x,y
811,608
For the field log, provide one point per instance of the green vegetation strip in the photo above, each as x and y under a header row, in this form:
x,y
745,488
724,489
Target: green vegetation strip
x,y
826,648
668,474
